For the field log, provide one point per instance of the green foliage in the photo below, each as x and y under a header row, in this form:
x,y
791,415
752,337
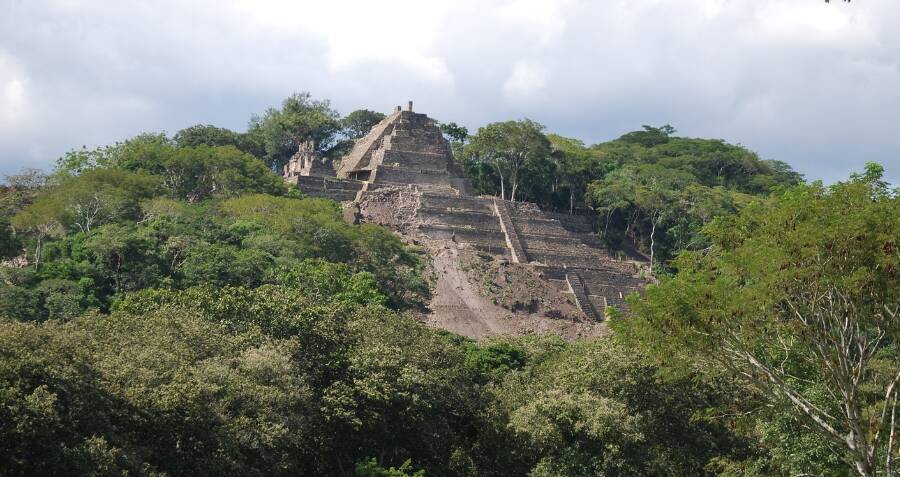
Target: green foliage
x,y
640,201
129,154
370,468
495,359
358,123
300,118
781,279
182,314
649,137
212,381
233,380
597,408
504,156
93,198
657,191
203,172
10,244
19,303
172,217
454,132
208,135
162,393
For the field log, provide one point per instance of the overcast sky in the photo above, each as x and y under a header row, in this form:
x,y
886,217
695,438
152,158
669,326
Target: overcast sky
x,y
815,85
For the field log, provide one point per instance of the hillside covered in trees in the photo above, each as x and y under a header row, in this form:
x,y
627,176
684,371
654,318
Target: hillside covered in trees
x,y
168,306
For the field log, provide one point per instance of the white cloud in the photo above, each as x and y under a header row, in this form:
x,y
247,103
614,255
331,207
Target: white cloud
x,y
543,19
813,84
786,23
526,79
14,104
400,33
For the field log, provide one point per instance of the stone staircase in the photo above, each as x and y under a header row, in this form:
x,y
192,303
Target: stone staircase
x,y
565,248
509,230
462,219
581,297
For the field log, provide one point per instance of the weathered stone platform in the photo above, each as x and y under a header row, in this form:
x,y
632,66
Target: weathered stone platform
x,y
340,190
407,149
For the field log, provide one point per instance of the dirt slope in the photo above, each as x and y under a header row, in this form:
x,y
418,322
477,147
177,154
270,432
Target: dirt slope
x,y
460,304
475,294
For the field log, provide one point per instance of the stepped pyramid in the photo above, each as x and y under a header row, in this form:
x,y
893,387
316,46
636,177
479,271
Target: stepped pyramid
x,y
406,152
404,148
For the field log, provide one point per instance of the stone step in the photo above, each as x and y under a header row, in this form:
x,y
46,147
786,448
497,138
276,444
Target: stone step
x,y
609,291
457,203
541,227
611,277
415,160
337,195
419,177
599,303
577,258
618,303
513,241
577,227
538,241
327,183
415,144
581,296
465,218
564,218
340,190
496,251
475,236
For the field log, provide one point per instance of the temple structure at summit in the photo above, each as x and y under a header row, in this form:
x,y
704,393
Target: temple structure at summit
x,y
407,152
404,148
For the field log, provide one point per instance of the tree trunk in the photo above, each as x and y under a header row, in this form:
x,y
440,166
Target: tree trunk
x,y
37,251
845,349
652,243
606,225
630,225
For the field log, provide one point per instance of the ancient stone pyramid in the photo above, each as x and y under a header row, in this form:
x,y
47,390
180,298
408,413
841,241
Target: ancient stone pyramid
x,y
406,161
404,148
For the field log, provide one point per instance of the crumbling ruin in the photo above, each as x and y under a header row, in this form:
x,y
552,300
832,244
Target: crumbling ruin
x,y
406,157
307,161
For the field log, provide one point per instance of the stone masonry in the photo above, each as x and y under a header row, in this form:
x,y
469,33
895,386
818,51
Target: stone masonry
x,y
307,161
407,150
316,177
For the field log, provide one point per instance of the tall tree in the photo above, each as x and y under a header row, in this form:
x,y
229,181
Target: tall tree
x,y
358,123
800,296
140,151
205,135
199,173
454,132
40,221
646,195
507,147
299,119
574,167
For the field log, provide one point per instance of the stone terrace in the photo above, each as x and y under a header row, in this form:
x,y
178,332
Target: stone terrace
x,y
407,149
463,219
562,247
340,190
565,248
